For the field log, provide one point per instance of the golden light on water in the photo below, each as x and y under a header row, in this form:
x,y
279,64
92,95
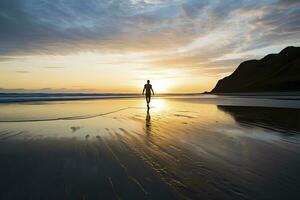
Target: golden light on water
x,y
158,104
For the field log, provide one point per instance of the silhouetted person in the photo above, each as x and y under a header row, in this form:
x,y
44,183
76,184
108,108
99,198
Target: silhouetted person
x,y
148,89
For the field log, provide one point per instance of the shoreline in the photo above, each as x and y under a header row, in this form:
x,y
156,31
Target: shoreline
x,y
46,97
294,93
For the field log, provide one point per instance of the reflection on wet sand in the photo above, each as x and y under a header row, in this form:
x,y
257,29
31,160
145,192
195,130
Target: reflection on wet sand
x,y
174,150
286,120
148,118
148,124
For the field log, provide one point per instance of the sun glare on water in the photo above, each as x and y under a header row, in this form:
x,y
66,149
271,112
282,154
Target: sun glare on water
x,y
158,104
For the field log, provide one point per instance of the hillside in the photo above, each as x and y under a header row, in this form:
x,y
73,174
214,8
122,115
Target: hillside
x,y
274,72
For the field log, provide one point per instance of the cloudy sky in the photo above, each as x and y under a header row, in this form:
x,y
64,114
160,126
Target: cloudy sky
x,y
115,45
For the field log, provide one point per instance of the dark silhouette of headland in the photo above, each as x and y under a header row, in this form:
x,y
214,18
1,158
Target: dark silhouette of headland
x,y
273,73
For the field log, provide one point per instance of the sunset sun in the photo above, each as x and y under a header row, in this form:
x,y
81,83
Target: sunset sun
x,y
161,86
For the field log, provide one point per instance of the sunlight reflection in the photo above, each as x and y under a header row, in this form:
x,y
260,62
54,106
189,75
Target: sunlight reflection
x,y
158,104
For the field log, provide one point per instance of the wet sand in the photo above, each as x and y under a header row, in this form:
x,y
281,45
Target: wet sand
x,y
180,149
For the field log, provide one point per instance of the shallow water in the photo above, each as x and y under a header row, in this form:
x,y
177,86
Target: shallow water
x,y
183,148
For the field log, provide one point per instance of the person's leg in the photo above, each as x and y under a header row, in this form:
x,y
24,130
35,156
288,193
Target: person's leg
x,y
148,99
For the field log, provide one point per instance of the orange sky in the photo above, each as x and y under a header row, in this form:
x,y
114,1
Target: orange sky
x,y
182,46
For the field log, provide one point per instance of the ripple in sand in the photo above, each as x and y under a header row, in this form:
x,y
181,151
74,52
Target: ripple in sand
x,y
75,128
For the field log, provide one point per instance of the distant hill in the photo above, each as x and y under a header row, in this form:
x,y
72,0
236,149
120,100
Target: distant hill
x,y
274,72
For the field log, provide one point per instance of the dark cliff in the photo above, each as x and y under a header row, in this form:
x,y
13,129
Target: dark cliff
x,y
274,72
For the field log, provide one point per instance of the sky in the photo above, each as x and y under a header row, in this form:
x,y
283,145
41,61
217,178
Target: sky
x,y
182,46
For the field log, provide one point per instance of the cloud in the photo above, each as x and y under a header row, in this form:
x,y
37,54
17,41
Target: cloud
x,y
46,90
60,26
54,67
287,3
22,72
6,58
191,34
274,24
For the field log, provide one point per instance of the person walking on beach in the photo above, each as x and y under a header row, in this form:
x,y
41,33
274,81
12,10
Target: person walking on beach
x,y
148,89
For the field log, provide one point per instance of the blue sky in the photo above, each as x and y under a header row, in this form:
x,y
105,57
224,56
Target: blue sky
x,y
191,43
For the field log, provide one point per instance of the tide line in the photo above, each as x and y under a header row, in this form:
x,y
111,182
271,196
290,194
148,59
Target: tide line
x,y
71,117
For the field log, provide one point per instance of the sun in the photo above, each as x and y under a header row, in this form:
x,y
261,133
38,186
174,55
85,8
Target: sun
x,y
160,85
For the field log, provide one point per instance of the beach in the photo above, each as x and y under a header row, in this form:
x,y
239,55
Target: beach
x,y
183,147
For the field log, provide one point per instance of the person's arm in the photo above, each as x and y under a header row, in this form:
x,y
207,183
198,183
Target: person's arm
x,y
152,90
144,90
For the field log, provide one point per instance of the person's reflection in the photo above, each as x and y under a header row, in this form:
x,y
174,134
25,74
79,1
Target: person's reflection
x,y
148,123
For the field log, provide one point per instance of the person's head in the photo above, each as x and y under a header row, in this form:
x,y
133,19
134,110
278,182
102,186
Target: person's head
x,y
148,81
